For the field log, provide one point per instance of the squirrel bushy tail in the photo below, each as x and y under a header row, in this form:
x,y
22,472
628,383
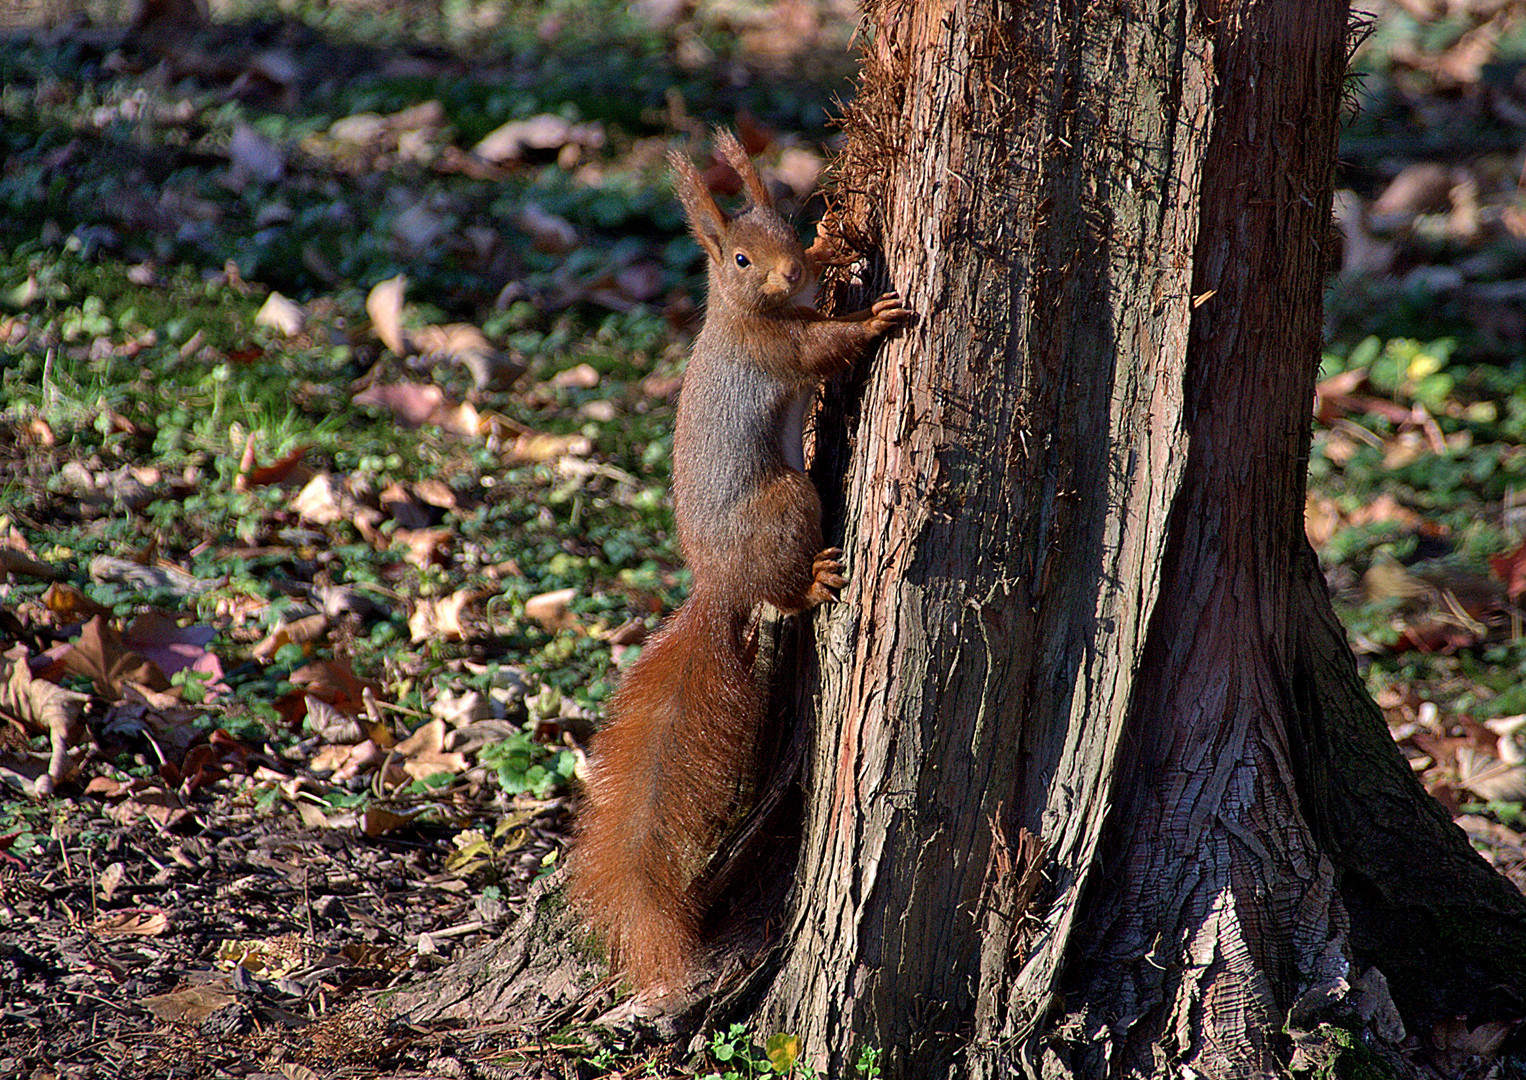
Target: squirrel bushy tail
x,y
669,771
666,772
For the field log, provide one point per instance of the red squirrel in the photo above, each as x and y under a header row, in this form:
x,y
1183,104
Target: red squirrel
x,y
668,770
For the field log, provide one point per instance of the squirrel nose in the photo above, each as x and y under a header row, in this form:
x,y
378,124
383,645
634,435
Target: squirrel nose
x,y
792,273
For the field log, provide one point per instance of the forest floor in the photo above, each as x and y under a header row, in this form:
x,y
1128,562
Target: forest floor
x,y
339,345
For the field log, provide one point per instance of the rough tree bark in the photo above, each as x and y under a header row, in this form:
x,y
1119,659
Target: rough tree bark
x,y
1094,790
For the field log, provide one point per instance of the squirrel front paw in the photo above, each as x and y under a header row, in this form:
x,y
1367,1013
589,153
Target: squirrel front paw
x,y
826,577
888,312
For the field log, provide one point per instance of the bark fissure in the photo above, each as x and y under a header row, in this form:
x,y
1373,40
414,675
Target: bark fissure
x,y
1211,770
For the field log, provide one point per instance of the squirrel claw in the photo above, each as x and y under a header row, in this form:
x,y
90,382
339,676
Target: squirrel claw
x,y
827,576
888,311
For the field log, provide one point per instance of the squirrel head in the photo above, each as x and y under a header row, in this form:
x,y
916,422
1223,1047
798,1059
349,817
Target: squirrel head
x,y
755,259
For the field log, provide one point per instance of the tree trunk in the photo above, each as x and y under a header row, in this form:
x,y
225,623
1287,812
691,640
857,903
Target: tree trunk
x,y
1094,790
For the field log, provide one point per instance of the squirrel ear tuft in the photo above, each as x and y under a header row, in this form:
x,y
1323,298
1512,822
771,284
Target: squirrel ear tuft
x,y
707,221
732,154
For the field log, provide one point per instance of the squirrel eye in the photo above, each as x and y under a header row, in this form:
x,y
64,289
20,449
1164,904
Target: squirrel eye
x,y
743,261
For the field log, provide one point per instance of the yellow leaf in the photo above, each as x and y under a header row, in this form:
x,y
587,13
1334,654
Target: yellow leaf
x,y
783,1051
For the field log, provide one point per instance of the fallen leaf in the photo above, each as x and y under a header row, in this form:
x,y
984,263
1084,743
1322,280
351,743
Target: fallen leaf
x,y
111,879
441,618
1511,569
172,647
491,369
190,1004
42,706
321,502
303,630
415,404
546,132
1490,778
426,547
422,766
462,419
379,821
385,306
254,158
552,610
581,377
1422,188
429,738
283,316
460,710
549,233
101,654
132,922
533,446
70,605
251,475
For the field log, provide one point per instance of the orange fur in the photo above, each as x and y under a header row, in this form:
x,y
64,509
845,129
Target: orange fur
x,y
668,770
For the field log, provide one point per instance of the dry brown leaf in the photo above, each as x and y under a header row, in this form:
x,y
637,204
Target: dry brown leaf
x,y
43,706
379,821
426,547
1422,188
102,655
70,605
283,316
535,446
429,738
413,403
335,682
190,1004
111,879
332,758
1490,778
579,377
1511,569
462,342
1458,1043
431,763
551,609
461,710
441,618
362,757
436,493
271,957
132,922
279,471
630,632
385,306
160,639
545,133
301,631
321,501
462,419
